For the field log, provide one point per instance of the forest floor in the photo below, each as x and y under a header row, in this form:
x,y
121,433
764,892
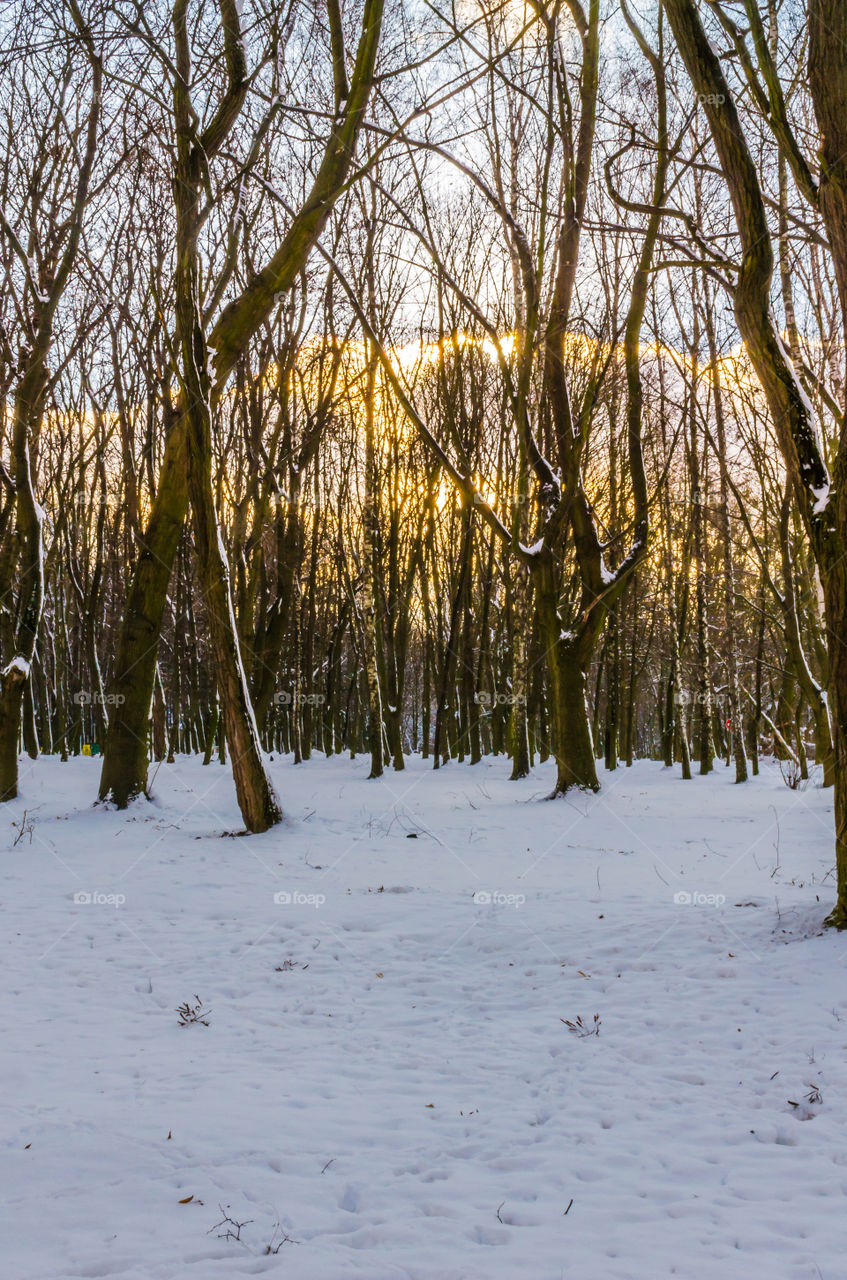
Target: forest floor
x,y
394,1071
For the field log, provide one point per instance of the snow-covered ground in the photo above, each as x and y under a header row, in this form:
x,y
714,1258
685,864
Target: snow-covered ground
x,y
383,1082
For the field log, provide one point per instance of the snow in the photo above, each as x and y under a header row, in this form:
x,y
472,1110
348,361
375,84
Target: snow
x,y
821,499
800,391
18,663
387,1072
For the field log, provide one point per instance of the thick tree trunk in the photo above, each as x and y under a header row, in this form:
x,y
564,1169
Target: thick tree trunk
x,y
12,681
570,726
126,758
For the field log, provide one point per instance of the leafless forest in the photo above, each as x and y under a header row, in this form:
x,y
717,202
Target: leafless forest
x,y
453,378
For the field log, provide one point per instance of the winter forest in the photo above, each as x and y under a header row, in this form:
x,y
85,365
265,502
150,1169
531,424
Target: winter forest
x,y
423,455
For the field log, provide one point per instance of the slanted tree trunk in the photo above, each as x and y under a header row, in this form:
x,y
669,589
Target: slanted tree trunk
x,y
256,798
823,506
828,83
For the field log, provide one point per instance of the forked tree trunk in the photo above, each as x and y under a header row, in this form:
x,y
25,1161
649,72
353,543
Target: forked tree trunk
x,y
125,760
256,798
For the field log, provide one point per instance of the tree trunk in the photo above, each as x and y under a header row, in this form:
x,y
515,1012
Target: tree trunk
x,y
125,760
256,798
570,726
